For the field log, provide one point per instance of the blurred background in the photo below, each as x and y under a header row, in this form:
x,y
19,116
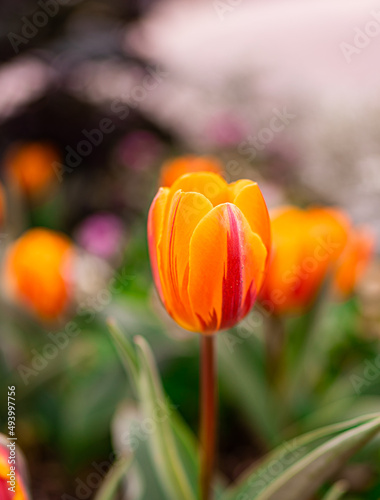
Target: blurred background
x,y
94,97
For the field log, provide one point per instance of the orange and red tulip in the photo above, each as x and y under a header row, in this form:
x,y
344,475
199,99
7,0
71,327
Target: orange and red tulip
x,y
36,272
354,261
173,169
307,244
208,245
30,167
8,460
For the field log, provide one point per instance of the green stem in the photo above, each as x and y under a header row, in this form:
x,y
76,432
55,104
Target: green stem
x,y
208,405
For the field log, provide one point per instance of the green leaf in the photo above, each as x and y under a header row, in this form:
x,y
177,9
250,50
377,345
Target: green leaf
x,y
297,469
129,438
337,490
173,454
163,443
109,487
125,350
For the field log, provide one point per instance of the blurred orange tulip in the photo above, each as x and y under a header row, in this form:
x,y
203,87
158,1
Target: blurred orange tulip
x,y
208,244
354,261
9,476
306,246
36,271
30,167
173,169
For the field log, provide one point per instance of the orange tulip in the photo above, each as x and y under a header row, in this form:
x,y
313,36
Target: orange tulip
x,y
208,244
8,474
36,270
173,169
30,167
306,246
354,261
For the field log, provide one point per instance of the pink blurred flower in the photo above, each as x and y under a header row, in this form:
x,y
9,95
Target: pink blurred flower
x,y
139,149
101,234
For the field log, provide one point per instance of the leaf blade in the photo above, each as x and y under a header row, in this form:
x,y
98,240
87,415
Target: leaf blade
x,y
108,489
163,445
306,474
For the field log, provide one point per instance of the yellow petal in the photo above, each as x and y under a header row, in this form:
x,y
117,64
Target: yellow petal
x,y
235,187
251,202
186,210
211,185
173,169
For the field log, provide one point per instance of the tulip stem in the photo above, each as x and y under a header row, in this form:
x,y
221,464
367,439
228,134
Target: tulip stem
x,y
208,403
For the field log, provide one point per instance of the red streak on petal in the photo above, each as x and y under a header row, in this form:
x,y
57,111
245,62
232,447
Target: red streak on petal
x,y
232,288
249,300
4,489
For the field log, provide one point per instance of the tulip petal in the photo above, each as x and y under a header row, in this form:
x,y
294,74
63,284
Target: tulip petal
x,y
38,270
173,169
155,227
354,261
306,244
211,185
227,262
331,226
250,200
283,288
235,187
186,210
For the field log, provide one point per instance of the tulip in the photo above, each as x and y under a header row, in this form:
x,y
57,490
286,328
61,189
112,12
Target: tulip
x,y
20,492
208,244
30,167
354,261
37,269
173,169
308,246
